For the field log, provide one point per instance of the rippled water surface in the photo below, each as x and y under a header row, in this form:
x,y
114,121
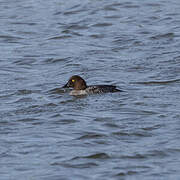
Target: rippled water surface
x,y
45,133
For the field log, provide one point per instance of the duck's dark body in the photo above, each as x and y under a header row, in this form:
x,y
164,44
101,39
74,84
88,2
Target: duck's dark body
x,y
102,88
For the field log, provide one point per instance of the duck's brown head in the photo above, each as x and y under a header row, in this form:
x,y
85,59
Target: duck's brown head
x,y
76,82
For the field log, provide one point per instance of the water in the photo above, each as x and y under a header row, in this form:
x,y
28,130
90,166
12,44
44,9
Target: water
x,y
47,134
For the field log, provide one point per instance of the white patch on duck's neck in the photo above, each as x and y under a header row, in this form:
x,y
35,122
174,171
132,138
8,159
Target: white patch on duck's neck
x,y
78,92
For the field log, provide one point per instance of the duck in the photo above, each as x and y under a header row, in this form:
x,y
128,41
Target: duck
x,y
80,87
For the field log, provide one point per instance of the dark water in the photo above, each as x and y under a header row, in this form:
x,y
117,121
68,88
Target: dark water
x,y
45,133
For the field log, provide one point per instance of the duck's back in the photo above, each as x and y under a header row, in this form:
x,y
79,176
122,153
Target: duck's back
x,y
101,89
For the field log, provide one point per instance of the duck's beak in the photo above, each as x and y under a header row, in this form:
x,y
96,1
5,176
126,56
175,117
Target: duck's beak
x,y
66,85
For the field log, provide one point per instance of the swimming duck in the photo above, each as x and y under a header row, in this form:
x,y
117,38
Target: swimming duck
x,y
80,88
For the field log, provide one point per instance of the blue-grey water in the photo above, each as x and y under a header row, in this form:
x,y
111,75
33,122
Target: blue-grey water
x,y
46,134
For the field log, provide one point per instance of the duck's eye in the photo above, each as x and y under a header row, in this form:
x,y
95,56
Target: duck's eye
x,y
73,80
